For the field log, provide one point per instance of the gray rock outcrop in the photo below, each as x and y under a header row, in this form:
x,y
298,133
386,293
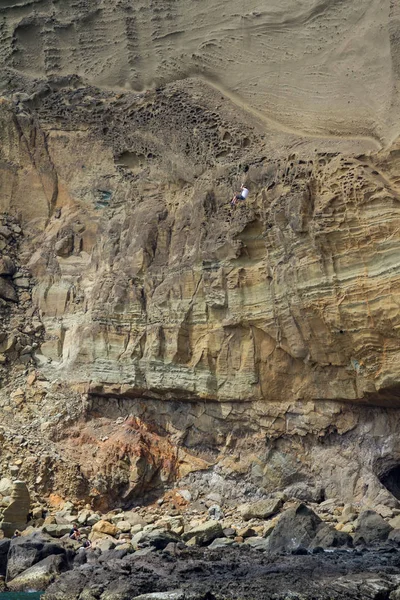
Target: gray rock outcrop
x,y
297,527
15,516
203,534
39,576
263,509
26,551
371,528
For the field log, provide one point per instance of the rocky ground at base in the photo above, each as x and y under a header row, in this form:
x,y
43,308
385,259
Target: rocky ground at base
x,y
234,574
184,549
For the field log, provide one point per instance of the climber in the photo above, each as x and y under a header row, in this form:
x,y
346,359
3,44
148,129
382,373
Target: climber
x,y
86,544
74,534
244,192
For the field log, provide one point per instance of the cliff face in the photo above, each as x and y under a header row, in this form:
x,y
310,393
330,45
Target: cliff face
x,y
336,65
151,285
150,332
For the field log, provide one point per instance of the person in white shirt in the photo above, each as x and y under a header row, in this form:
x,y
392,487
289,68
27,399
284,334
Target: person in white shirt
x,y
244,192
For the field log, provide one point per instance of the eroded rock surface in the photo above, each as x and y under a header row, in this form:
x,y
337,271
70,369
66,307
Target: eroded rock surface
x,y
15,515
166,335
306,67
233,574
150,333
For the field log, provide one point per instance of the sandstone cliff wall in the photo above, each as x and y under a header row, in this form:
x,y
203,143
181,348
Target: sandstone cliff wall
x,y
315,66
151,334
215,329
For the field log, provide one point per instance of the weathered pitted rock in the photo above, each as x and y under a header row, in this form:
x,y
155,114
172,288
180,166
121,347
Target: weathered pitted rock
x,y
213,328
323,100
15,516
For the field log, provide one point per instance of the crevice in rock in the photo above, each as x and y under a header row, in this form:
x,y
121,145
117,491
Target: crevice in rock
x,y
391,480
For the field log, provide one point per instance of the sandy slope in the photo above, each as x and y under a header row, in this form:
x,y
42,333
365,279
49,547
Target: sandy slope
x,y
317,66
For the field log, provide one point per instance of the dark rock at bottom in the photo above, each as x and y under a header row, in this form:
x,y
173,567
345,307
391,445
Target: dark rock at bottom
x,y
238,573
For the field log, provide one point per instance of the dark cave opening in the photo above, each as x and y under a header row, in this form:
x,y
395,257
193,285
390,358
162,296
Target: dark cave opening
x,y
391,480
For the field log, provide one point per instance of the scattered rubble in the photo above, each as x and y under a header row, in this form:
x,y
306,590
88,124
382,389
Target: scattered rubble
x,y
38,557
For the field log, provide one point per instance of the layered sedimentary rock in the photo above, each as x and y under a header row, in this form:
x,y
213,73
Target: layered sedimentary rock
x,y
152,286
216,326
335,64
150,332
15,516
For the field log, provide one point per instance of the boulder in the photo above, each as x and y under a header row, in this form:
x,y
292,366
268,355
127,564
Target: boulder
x,y
136,528
186,495
68,509
57,531
112,554
263,509
137,538
93,519
22,282
7,291
15,516
221,543
133,518
203,534
229,532
83,516
215,512
304,492
246,532
4,548
297,526
176,525
65,246
66,520
269,526
159,538
349,514
5,232
394,536
6,266
124,526
104,545
105,527
124,548
6,486
395,522
39,576
26,551
371,528
328,537
258,543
